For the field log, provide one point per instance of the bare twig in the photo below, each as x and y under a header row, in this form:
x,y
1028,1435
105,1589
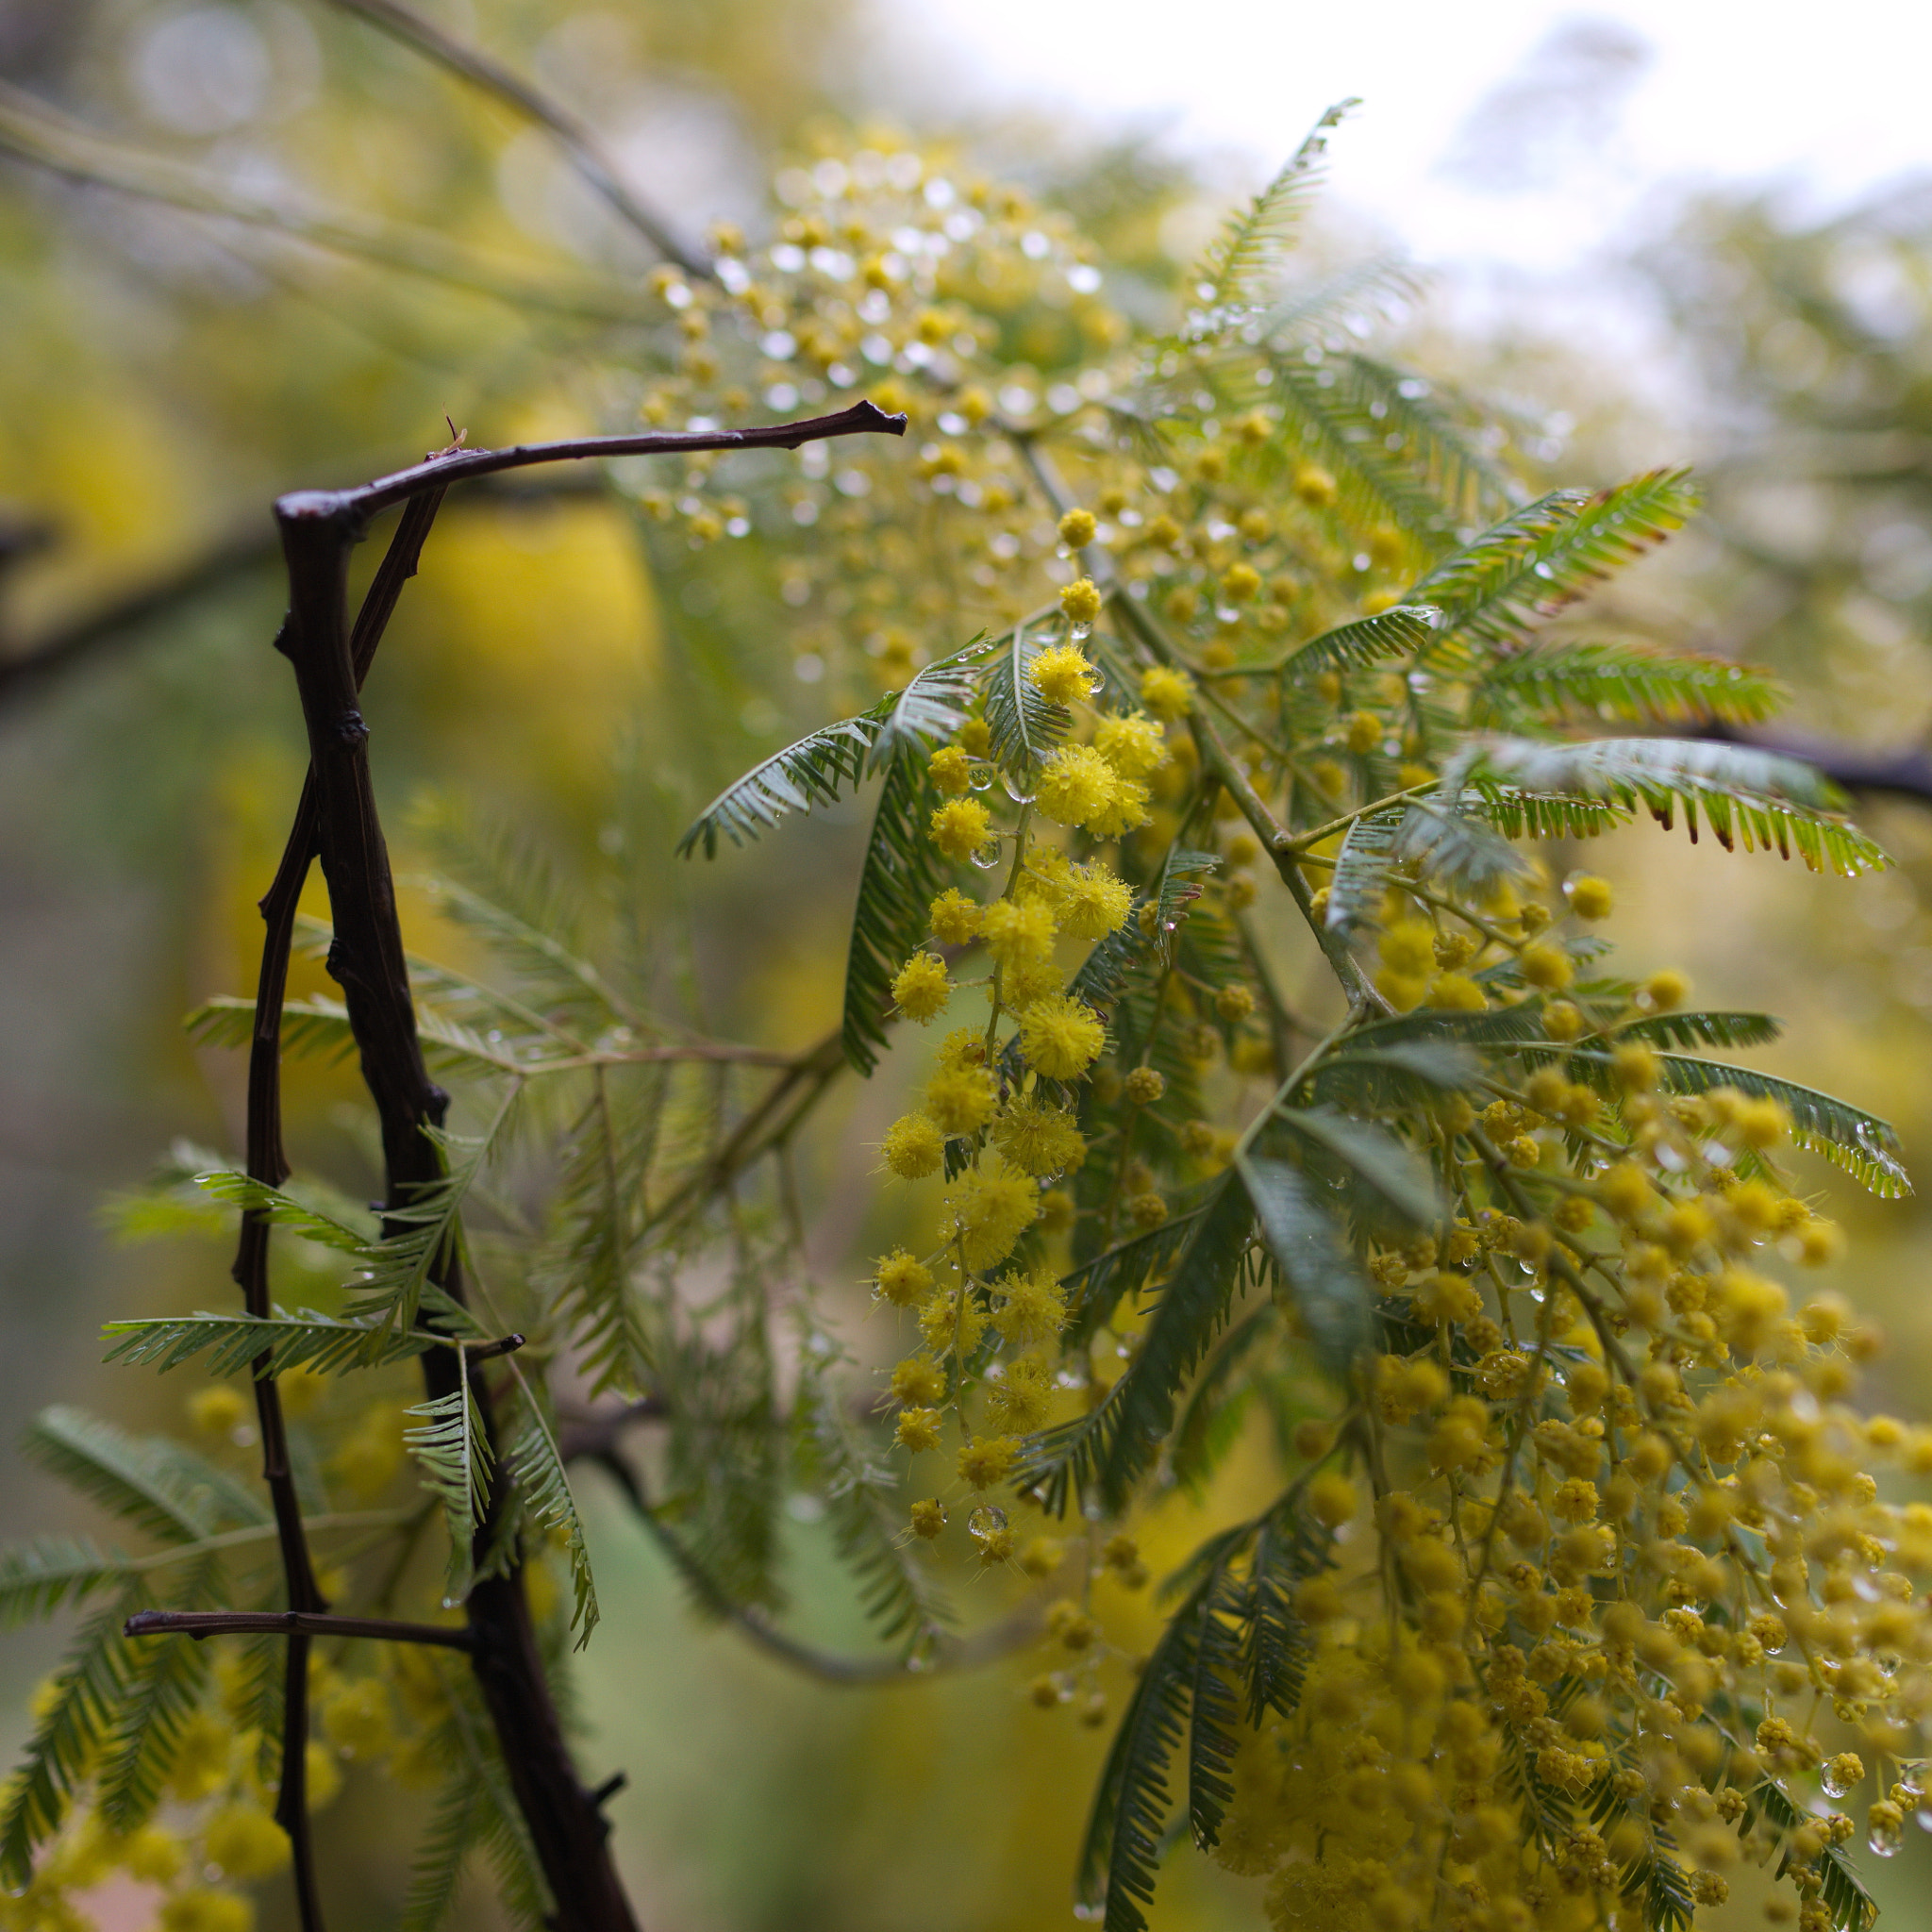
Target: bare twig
x,y
201,1624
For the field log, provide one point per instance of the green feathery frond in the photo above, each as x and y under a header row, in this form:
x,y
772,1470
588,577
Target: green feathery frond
x,y
311,1029
75,1722
435,1871
1361,870
1024,724
1703,1029
828,761
535,1467
1093,1290
1244,261
1446,840
902,874
451,1446
1398,632
1661,1888
1545,555
1389,1078
1214,1709
1383,1180
1275,1643
324,1343
1210,1419
38,1576
1377,289
1758,798
1325,1289
1853,1908
1620,681
897,1587
1194,1304
153,1482
164,1688
234,1189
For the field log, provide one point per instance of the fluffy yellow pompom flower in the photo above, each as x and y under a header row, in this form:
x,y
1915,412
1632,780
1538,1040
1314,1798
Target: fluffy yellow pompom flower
x,y
1457,993
1332,1499
901,1278
1591,897
985,1459
975,738
960,827
1664,990
1028,981
245,1842
1132,744
1242,584
950,1319
913,1147
1033,1310
960,1099
1364,733
1018,931
1126,812
951,771
1038,1139
1314,485
1409,947
1168,694
926,1518
1095,903
359,1720
1062,674
1080,600
1061,1037
918,1430
918,1381
1076,786
1019,1401
1547,967
201,1910
921,989
1077,528
955,917
990,1207
964,1046
218,1411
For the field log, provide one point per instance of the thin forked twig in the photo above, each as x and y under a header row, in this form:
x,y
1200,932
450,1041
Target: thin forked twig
x,y
201,1624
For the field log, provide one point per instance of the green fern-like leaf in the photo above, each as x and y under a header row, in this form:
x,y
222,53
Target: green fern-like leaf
x,y
153,1482
1449,843
1244,259
1398,632
1361,870
1121,1854
1749,796
453,1450
1023,725
233,1343
1193,1305
1214,1709
1212,1417
901,874
1382,1180
1276,1645
435,1871
76,1721
1325,1289
1399,1076
234,1189
1698,1029
543,1487
39,1577
165,1686
1545,555
1620,681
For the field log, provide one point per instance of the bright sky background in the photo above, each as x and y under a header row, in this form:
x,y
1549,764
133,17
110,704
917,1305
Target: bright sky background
x,y
1827,98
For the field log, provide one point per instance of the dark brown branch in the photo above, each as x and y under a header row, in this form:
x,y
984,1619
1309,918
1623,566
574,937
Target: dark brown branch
x,y
201,1624
577,141
348,506
268,1162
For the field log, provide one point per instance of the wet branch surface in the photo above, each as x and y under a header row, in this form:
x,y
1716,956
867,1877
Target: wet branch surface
x,y
336,822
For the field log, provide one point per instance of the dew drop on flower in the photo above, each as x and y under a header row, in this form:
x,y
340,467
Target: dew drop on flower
x,y
987,856
1884,1841
986,1521
1834,1781
1017,792
980,777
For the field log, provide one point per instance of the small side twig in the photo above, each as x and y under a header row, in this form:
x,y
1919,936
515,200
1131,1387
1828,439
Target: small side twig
x,y
201,1624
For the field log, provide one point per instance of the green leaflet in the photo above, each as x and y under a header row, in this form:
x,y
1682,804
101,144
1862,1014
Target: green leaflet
x,y
536,1468
234,1189
1758,798
1361,870
1620,680
1193,1306
1325,1288
1364,641
824,763
435,1871
1703,1029
1208,1422
153,1482
1548,554
1402,1073
1242,262
454,1452
40,1576
164,1688
88,1691
1023,726
902,874
232,1342
1382,1180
